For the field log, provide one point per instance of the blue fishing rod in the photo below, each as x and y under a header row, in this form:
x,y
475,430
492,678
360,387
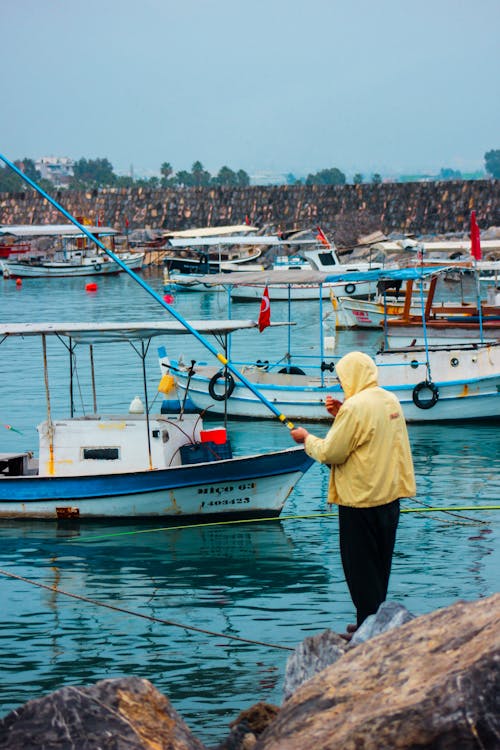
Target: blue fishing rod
x,y
156,296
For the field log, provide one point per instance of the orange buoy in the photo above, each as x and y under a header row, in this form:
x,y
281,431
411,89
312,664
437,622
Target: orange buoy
x,y
19,282
92,287
169,298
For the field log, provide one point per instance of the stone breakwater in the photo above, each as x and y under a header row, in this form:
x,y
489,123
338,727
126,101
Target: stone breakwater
x,y
346,211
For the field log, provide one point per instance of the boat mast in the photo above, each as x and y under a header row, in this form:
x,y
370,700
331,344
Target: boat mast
x,y
50,425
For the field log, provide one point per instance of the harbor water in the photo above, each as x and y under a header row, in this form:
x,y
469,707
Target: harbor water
x,y
270,582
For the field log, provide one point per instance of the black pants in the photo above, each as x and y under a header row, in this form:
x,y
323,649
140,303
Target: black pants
x,y
367,538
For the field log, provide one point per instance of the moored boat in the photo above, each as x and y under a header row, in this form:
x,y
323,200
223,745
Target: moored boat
x,y
137,464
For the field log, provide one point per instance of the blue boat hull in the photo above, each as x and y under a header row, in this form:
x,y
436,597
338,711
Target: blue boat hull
x,y
250,486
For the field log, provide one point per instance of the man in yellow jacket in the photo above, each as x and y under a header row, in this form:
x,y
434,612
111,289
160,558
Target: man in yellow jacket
x,y
369,453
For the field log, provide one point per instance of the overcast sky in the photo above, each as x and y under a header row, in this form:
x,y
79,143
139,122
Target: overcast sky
x,y
277,86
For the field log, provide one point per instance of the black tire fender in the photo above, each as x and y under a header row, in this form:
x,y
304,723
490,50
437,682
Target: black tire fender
x,y
229,382
350,288
425,385
97,266
291,370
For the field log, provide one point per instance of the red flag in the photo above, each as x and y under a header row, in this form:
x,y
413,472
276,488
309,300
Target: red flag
x,y
265,311
321,237
247,220
475,241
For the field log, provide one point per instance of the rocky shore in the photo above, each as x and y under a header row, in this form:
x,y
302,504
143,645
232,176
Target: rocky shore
x,y
345,211
429,682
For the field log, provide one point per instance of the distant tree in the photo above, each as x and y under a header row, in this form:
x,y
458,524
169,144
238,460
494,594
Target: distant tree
x,y
376,178
226,176
184,178
10,182
200,175
447,173
332,176
166,172
492,163
357,179
92,173
243,178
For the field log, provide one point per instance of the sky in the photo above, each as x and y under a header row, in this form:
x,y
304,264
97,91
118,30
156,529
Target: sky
x,y
268,86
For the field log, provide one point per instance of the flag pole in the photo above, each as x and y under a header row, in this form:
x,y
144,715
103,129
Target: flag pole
x,y
205,342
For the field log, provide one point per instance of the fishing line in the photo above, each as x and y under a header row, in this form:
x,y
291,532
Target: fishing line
x,y
330,514
151,618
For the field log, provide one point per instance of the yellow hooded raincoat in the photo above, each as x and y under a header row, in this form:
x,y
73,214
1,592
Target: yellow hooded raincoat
x,y
367,446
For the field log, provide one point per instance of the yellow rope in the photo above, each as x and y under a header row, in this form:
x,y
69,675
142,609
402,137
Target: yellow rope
x,y
330,514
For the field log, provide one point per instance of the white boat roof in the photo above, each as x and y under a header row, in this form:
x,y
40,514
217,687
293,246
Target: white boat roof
x,y
212,231
253,239
95,333
304,277
51,230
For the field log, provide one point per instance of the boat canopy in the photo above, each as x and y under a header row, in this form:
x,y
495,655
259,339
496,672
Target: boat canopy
x,y
309,278
212,231
105,333
51,230
268,240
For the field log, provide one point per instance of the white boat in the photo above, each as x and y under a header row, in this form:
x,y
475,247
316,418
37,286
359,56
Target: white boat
x,y
287,279
135,463
433,383
72,255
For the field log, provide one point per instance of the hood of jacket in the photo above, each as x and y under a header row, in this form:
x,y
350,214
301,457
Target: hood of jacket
x,y
356,371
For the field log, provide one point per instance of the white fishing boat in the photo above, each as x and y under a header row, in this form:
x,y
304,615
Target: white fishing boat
x,y
433,383
466,374
71,254
137,463
312,261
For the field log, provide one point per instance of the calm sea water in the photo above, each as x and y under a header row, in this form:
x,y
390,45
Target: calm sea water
x,y
275,582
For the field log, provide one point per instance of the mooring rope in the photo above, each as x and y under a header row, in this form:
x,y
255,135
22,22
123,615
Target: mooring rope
x,y
330,514
151,618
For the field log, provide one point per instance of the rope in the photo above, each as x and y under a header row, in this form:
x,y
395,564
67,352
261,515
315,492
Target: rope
x,y
143,616
425,509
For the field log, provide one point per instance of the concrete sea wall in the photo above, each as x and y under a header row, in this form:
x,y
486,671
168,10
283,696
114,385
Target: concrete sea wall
x,y
345,211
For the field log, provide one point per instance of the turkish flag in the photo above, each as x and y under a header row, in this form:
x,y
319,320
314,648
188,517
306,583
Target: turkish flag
x,y
475,241
321,237
265,311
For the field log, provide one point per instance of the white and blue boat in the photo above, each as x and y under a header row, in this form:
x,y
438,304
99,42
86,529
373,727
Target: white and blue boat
x,y
137,464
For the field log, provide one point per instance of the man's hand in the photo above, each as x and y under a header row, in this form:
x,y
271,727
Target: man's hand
x,y
332,405
299,434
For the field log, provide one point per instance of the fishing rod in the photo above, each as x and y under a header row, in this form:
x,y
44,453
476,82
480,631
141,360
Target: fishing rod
x,y
233,370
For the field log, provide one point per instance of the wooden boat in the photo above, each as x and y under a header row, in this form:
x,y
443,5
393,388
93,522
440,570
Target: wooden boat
x,y
72,254
138,464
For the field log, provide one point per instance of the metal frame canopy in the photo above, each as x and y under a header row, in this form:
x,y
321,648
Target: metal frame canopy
x,y
51,230
105,333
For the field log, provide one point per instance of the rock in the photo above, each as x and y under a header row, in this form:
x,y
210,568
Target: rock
x,y
248,726
431,683
117,714
389,615
310,657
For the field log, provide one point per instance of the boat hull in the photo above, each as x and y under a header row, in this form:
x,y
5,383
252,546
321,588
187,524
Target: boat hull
x,y
251,486
49,269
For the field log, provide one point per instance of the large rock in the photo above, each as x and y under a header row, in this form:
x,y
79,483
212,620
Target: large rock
x,y
119,714
431,683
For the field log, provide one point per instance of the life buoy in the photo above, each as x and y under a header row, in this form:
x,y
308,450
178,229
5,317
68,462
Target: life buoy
x,y
228,382
291,370
97,267
350,288
426,403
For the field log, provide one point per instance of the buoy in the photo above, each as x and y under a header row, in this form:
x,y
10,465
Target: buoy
x,y
92,287
169,298
19,282
136,406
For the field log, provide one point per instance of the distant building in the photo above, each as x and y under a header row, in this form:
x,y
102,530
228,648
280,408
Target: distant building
x,y
57,169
